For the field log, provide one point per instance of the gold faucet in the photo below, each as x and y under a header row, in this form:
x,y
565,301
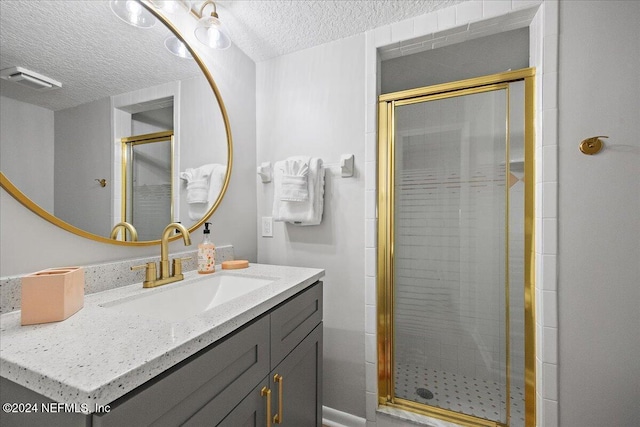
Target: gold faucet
x,y
151,279
124,224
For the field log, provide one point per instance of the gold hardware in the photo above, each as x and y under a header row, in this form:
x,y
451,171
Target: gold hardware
x,y
124,224
267,392
152,280
103,182
177,265
277,418
386,257
150,273
593,145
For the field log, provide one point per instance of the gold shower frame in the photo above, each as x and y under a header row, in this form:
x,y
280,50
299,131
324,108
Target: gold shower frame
x,y
385,255
127,154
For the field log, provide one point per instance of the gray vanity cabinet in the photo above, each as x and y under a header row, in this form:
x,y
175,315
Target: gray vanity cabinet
x,y
225,383
296,396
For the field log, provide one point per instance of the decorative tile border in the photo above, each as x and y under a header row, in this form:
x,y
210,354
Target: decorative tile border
x,y
102,277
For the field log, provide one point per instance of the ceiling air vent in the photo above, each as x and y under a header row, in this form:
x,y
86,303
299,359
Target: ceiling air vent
x,y
29,78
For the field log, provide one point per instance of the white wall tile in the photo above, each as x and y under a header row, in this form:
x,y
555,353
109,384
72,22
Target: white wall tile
x,y
550,381
550,345
370,204
550,127
550,413
371,147
371,182
371,111
382,35
402,30
549,91
522,4
371,233
495,7
549,236
371,405
549,272
550,18
550,53
370,262
549,309
425,24
370,319
446,18
370,377
468,11
550,163
549,199
370,290
370,347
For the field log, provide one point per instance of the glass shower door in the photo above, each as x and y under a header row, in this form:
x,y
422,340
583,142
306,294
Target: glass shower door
x,y
456,158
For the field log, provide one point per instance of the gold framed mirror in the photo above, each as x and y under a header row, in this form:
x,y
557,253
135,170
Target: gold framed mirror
x,y
75,176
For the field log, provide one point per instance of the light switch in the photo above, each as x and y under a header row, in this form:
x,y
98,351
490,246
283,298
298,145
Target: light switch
x,y
267,226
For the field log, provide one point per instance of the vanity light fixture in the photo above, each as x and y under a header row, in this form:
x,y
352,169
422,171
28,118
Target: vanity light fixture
x,y
210,31
175,46
133,13
171,6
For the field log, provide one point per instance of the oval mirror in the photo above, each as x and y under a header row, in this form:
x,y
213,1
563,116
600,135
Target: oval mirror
x,y
101,125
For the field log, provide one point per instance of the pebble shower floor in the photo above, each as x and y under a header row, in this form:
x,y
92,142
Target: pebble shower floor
x,y
458,393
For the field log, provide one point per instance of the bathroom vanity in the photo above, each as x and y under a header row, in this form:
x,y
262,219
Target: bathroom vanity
x,y
255,359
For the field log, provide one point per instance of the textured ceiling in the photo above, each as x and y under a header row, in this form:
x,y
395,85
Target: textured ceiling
x,y
86,47
265,29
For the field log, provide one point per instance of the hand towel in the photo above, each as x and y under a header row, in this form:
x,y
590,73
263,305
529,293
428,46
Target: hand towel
x,y
295,180
203,187
307,212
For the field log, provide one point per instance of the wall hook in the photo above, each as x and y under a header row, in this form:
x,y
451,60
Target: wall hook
x,y
103,182
265,171
593,145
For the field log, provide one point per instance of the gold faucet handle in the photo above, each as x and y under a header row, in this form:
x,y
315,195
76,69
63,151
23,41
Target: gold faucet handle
x,y
150,274
177,265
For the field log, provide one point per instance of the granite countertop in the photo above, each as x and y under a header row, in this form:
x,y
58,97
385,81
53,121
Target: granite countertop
x,y
99,354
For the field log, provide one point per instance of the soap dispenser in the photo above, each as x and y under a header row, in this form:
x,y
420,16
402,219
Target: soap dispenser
x,y
206,252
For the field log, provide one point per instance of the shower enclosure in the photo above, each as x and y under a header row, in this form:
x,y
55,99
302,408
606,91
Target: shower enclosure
x,y
455,217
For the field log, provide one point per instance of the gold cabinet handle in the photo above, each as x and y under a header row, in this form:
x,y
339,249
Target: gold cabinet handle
x,y
277,418
267,392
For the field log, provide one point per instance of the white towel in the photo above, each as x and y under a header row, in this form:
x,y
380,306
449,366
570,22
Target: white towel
x,y
308,212
203,187
295,174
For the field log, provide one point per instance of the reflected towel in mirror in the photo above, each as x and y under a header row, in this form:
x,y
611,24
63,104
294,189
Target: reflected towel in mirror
x,y
203,187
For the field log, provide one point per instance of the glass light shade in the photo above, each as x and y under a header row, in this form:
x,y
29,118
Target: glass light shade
x,y
212,33
133,13
175,46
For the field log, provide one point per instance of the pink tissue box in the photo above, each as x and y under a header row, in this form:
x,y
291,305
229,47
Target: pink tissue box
x,y
52,295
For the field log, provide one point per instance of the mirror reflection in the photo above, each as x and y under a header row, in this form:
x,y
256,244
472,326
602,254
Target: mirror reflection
x,y
126,112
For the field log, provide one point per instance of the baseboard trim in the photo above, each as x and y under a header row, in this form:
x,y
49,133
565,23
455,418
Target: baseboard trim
x,y
334,418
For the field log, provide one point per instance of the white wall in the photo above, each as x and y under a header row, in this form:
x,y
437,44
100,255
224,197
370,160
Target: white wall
x,y
26,122
83,154
312,103
29,243
599,214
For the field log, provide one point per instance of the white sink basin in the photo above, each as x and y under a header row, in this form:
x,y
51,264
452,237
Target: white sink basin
x,y
183,300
